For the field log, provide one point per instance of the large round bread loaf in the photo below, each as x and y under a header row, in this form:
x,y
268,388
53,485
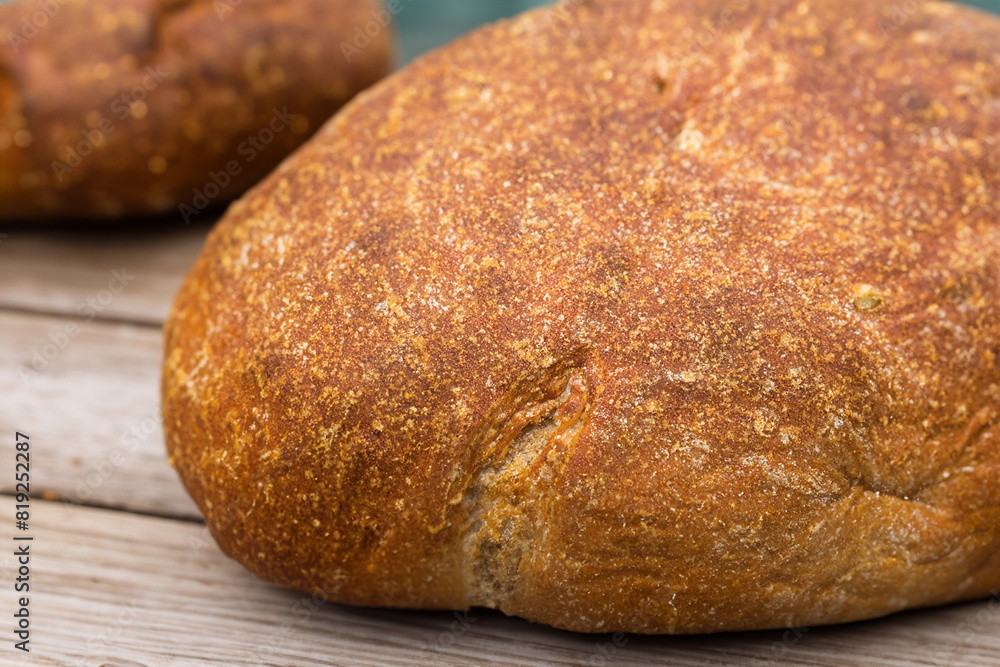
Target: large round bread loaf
x,y
653,316
111,108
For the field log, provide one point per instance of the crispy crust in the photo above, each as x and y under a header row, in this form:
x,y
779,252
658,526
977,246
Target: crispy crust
x,y
206,76
604,323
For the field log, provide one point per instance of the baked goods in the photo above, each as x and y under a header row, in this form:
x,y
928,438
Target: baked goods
x,y
118,107
615,321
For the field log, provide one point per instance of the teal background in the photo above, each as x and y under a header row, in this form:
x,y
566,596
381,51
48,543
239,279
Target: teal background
x,y
425,24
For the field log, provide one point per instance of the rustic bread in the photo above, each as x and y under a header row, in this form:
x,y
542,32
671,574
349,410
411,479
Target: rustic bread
x,y
118,107
650,316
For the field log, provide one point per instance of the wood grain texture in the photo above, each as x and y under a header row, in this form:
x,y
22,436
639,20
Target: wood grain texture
x,y
92,409
67,274
115,588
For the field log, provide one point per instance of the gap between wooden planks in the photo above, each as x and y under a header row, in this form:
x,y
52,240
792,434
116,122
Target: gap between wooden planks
x,y
119,589
92,413
58,272
80,357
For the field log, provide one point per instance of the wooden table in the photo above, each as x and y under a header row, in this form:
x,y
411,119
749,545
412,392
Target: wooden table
x,y
123,573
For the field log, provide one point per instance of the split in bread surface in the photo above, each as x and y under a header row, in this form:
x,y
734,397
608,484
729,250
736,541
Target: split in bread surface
x,y
615,322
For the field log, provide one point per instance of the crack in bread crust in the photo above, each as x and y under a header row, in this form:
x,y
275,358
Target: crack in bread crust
x,y
781,322
508,501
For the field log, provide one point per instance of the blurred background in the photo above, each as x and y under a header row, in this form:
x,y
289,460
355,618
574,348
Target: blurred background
x,y
425,24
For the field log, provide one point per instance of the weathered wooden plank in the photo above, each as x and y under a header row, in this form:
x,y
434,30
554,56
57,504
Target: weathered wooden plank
x,y
114,588
83,274
88,394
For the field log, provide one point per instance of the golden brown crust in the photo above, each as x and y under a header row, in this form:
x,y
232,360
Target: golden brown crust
x,y
611,325
120,107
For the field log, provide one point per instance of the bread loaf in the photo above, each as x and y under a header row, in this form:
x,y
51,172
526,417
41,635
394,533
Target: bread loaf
x,y
120,107
648,316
